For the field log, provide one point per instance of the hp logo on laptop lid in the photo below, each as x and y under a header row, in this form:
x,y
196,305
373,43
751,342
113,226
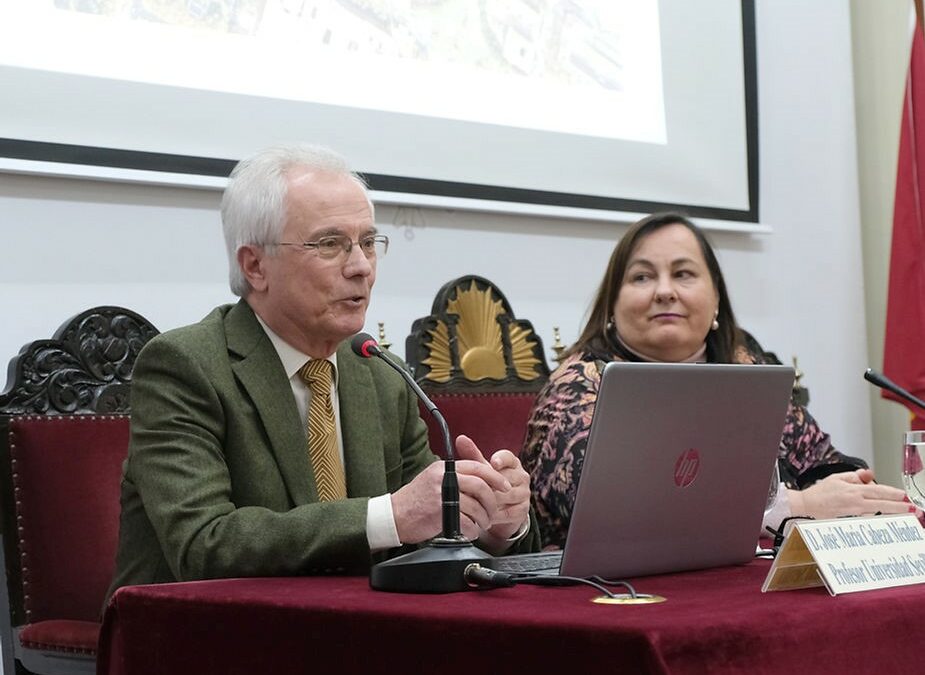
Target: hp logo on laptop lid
x,y
686,468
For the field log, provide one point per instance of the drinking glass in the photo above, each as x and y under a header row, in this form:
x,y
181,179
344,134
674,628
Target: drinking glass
x,y
914,467
773,488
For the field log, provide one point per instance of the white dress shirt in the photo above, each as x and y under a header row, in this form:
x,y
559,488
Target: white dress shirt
x,y
380,522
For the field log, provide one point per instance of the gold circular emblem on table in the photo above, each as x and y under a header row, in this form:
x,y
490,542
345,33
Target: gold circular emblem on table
x,y
627,599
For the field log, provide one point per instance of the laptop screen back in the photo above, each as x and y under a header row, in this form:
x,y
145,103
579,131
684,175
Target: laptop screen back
x,y
677,468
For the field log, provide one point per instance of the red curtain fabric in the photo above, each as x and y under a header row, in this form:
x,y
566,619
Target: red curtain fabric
x,y
904,349
713,621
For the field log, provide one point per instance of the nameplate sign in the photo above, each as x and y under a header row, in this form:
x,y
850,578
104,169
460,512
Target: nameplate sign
x,y
847,555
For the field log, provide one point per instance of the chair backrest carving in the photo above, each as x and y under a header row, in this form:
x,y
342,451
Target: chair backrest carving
x,y
480,365
85,368
472,341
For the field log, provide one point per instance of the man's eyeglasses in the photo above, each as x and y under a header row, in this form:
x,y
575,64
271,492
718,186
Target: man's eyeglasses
x,y
336,245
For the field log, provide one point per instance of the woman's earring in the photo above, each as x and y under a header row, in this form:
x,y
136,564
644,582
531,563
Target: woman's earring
x,y
609,326
715,324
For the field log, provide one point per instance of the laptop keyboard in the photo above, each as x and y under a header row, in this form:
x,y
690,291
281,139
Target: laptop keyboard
x,y
530,563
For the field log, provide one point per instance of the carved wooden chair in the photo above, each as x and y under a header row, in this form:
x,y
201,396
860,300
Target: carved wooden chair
x,y
63,436
480,364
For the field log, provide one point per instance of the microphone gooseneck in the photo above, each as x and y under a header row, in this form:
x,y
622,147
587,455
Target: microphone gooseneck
x,y
440,566
880,380
364,345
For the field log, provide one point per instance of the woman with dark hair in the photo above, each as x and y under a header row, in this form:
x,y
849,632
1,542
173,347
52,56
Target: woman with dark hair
x,y
663,298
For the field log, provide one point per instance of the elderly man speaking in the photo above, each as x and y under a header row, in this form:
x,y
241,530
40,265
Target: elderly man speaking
x,y
260,444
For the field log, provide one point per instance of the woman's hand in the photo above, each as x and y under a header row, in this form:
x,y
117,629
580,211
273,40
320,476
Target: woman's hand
x,y
852,493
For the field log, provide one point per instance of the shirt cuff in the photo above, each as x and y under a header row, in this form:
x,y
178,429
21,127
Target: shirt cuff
x,y
380,524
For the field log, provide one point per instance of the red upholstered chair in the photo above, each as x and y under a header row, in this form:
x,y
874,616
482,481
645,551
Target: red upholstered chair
x,y
63,436
481,366
494,420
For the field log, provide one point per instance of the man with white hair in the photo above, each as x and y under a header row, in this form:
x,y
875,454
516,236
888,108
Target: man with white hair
x,y
260,444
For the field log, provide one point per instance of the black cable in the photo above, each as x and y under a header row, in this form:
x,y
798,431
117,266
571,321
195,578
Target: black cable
x,y
617,582
559,580
484,577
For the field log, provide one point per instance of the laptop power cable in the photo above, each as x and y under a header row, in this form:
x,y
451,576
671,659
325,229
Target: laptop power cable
x,y
483,577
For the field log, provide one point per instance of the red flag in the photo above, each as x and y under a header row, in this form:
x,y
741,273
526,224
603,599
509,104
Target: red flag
x,y
904,348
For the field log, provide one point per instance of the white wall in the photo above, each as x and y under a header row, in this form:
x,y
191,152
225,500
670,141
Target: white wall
x,y
70,244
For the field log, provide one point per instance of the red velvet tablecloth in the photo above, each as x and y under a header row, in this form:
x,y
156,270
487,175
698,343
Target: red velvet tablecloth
x,y
713,621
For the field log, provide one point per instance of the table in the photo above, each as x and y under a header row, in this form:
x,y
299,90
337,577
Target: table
x,y
713,621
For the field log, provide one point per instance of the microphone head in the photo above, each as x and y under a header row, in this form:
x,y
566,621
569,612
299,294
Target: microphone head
x,y
363,344
874,377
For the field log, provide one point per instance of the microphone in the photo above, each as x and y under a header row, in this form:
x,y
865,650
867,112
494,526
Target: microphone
x,y
363,344
440,566
884,382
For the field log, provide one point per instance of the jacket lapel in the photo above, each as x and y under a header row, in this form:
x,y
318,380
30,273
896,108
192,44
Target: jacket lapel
x,y
364,460
261,373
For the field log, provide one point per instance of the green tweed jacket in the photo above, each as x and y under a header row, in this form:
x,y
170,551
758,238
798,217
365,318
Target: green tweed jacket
x,y
218,482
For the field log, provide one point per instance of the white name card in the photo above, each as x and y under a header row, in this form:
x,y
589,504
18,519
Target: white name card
x,y
850,554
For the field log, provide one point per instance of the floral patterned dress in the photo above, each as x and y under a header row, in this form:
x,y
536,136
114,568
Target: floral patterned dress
x,y
557,435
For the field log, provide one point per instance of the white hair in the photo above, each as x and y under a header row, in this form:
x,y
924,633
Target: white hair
x,y
254,203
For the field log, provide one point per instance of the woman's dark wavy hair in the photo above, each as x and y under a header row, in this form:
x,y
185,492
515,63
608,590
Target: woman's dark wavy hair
x,y
599,339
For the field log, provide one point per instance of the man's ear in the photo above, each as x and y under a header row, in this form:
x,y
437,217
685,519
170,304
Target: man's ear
x,y
250,260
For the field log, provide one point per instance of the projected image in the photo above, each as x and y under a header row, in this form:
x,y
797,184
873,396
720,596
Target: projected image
x,y
556,39
231,16
596,105
590,67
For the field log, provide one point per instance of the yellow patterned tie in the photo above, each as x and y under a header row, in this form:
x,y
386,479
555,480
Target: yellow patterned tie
x,y
322,434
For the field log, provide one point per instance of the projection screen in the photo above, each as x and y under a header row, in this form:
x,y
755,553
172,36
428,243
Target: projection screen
x,y
604,105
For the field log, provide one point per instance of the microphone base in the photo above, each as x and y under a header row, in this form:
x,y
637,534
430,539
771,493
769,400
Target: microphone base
x,y
437,568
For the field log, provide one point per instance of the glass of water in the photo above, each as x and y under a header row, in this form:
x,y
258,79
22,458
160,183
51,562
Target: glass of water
x,y
773,489
914,467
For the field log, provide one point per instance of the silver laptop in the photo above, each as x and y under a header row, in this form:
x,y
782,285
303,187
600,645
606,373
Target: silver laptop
x,y
676,471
